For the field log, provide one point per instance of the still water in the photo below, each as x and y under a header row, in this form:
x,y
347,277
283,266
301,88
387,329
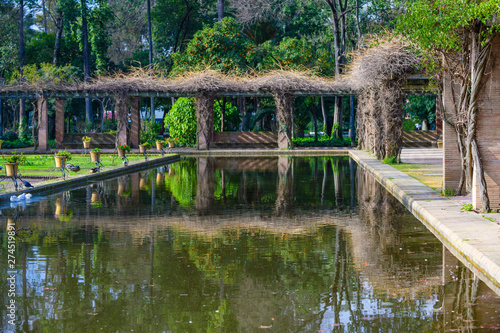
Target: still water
x,y
236,245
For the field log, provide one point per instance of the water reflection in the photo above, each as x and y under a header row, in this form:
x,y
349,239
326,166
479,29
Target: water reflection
x,y
237,245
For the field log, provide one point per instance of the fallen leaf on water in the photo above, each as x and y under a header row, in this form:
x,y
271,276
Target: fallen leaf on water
x,y
337,324
368,318
262,326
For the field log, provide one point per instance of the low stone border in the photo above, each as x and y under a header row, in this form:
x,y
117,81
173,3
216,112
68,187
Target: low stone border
x,y
470,237
77,181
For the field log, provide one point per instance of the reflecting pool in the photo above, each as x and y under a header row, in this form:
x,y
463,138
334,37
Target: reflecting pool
x,y
235,245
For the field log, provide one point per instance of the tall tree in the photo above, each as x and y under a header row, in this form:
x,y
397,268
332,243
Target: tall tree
x,y
150,39
86,62
22,104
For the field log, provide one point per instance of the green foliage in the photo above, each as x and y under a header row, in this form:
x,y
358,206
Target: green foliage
x,y
10,136
390,160
421,108
17,144
408,124
467,207
436,25
448,192
181,120
221,47
46,73
322,142
16,158
150,131
232,117
125,148
96,150
64,153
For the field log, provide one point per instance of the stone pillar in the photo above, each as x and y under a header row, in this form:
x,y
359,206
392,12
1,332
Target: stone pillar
x,y
135,122
204,121
43,124
488,131
122,133
452,161
284,114
59,122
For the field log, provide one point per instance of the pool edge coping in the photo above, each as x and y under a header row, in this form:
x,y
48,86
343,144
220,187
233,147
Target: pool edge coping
x,y
444,218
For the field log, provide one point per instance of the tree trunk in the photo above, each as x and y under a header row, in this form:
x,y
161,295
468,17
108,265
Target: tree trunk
x,y
337,118
86,65
352,123
323,111
44,16
22,106
59,32
220,10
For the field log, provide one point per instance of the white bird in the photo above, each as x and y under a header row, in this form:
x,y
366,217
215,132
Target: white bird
x,y
14,198
28,196
22,197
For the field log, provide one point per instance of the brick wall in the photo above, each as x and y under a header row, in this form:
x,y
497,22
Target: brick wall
x,y
488,130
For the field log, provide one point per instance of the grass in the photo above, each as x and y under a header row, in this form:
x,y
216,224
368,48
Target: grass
x,y
43,165
424,173
489,219
468,207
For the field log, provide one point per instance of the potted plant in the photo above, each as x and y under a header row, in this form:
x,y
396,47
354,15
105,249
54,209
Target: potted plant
x,y
86,142
95,154
122,149
172,142
61,157
159,144
144,147
13,162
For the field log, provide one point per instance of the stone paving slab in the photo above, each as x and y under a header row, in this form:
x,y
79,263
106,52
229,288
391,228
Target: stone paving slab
x,y
469,236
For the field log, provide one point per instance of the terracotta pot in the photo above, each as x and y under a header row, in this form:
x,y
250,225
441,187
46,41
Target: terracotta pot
x,y
121,152
171,172
86,144
94,156
142,183
121,188
171,144
11,169
142,149
159,145
60,161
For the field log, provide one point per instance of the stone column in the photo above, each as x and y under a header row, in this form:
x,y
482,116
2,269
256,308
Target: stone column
x,y
43,124
122,133
284,114
59,122
452,161
205,121
488,132
135,124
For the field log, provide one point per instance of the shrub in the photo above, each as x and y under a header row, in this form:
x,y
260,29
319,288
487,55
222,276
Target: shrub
x,y
16,158
10,136
322,142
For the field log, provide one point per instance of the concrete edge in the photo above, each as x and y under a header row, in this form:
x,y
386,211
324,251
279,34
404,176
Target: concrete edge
x,y
87,178
441,216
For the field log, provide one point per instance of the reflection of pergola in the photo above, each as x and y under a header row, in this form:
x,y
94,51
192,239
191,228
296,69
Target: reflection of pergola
x,y
128,92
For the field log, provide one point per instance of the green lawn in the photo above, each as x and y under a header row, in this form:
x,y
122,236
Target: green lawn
x,y
43,165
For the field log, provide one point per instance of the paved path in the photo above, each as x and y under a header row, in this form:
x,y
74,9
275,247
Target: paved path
x,y
469,236
422,155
